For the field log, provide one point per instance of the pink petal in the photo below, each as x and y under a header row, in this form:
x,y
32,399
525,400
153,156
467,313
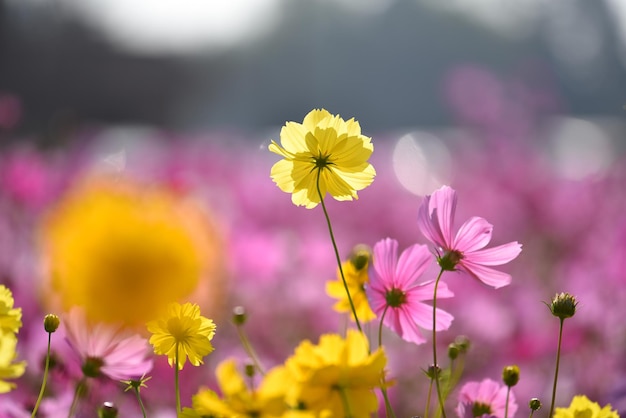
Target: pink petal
x,y
422,315
425,291
474,234
444,201
385,254
409,330
427,227
495,256
487,275
411,265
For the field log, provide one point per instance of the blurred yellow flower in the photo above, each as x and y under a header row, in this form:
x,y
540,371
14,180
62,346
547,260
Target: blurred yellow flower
x,y
8,368
238,400
582,407
10,317
182,332
323,147
337,377
355,270
123,251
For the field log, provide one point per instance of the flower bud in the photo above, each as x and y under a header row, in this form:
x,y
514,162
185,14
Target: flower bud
x,y
463,343
510,375
107,410
534,404
449,260
360,256
239,315
51,322
563,305
453,351
249,368
432,369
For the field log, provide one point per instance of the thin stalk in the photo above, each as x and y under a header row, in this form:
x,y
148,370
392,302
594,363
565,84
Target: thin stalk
x,y
346,404
80,387
143,409
506,406
388,407
436,368
176,382
337,256
430,391
45,378
556,372
249,349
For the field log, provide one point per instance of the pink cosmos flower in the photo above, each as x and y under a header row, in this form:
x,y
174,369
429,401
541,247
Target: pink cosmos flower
x,y
393,288
106,349
464,251
486,398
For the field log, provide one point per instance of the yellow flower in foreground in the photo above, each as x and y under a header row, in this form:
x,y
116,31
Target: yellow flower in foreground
x,y
9,369
355,272
10,317
124,250
336,377
582,407
182,328
324,146
238,400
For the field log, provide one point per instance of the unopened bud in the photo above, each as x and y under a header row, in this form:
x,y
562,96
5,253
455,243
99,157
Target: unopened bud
x,y
433,371
453,351
51,322
463,343
249,368
534,404
360,256
107,410
510,375
563,305
239,315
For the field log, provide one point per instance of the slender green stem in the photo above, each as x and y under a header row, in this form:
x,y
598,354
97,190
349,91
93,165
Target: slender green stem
x,y
78,392
176,382
556,372
506,406
249,349
143,409
436,367
430,391
383,389
346,404
531,414
337,256
45,378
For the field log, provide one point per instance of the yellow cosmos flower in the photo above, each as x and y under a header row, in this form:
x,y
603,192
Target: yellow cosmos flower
x,y
581,406
10,317
123,251
355,270
8,368
337,377
323,148
238,400
182,333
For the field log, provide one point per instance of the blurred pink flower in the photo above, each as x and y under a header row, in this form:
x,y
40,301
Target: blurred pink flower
x,y
485,398
393,288
435,221
106,349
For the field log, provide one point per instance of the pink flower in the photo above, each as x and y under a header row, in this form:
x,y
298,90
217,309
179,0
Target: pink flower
x,y
464,251
106,349
393,290
477,399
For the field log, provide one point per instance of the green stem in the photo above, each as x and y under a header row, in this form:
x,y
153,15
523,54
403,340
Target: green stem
x,y
45,378
506,406
531,414
430,391
436,367
337,256
346,404
143,409
80,389
249,349
556,372
388,407
177,383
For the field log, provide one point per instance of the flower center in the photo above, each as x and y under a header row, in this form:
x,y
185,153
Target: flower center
x,y
321,161
450,259
92,366
177,329
395,298
479,409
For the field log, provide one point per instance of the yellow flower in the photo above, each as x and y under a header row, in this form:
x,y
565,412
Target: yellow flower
x,y
238,400
337,377
582,407
184,328
324,146
123,251
8,368
355,272
10,317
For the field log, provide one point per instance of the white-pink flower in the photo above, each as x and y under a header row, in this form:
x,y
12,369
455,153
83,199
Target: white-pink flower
x,y
464,250
393,287
486,398
106,349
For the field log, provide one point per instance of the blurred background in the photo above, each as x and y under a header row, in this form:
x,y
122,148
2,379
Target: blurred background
x,y
518,105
